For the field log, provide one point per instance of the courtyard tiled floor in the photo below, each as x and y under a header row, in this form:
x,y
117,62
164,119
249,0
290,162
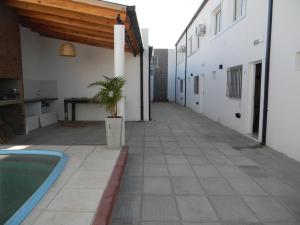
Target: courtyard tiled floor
x,y
184,169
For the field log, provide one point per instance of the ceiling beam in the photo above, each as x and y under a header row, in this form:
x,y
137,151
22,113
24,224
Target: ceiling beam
x,y
65,21
41,29
58,10
71,6
28,22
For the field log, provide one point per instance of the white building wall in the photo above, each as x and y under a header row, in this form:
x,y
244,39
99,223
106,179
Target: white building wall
x,y
180,71
283,130
145,36
41,61
235,46
171,74
232,47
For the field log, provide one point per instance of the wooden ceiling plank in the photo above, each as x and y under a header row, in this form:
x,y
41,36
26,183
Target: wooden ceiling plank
x,y
61,12
74,6
67,28
41,29
65,21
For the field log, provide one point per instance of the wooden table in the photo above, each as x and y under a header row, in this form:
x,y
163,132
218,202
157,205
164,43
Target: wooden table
x,y
75,101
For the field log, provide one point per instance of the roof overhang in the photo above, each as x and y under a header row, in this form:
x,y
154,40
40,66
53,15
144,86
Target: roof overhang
x,y
83,21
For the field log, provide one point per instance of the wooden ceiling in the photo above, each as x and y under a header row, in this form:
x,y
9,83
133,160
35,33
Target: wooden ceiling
x,y
83,21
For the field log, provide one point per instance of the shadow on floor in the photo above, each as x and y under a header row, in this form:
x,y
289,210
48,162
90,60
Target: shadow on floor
x,y
61,134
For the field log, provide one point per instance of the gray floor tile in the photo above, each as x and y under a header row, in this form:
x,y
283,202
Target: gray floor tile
x,y
161,223
157,185
241,161
192,151
154,158
134,159
206,145
231,171
176,159
219,160
195,209
255,171
131,185
217,186
181,171
153,144
201,223
155,170
133,170
173,151
292,203
187,185
198,160
204,171
159,208
276,187
127,209
232,209
245,186
268,210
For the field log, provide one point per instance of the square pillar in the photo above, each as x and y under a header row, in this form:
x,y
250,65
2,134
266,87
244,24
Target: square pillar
x,y
119,67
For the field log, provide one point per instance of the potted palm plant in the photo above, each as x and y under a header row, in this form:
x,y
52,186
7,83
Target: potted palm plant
x,y
109,94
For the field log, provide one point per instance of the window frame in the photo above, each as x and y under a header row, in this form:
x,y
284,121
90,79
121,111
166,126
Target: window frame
x,y
234,82
181,86
190,46
196,85
242,9
218,20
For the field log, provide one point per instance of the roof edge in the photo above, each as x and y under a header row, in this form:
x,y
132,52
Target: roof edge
x,y
135,25
192,20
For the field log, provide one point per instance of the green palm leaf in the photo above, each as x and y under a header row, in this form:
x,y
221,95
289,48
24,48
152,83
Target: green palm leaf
x,y
109,93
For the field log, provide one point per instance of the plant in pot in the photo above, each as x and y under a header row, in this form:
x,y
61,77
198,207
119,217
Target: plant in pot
x,y
109,94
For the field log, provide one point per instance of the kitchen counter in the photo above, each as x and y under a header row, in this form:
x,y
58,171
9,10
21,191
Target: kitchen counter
x,y
10,102
33,100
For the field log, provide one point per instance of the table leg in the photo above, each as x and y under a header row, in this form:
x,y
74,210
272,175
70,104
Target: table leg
x,y
73,111
66,111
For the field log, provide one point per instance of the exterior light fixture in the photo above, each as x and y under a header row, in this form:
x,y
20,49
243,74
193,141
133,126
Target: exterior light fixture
x,y
67,49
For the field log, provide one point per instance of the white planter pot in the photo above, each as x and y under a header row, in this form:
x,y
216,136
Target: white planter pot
x,y
114,132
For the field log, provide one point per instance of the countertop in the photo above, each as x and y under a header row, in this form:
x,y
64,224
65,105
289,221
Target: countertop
x,y
33,100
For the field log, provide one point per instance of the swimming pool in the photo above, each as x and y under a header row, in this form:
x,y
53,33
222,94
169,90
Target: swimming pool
x,y
25,177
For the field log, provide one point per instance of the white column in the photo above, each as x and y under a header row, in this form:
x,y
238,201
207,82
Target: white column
x,y
119,67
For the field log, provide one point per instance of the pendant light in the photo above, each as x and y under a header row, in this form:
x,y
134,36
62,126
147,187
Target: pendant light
x,y
67,49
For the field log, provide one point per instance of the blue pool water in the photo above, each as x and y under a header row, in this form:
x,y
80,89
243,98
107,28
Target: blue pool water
x,y
25,177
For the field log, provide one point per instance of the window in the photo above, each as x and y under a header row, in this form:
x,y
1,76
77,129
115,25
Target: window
x,y
155,61
218,20
239,9
181,85
234,82
190,46
196,85
198,41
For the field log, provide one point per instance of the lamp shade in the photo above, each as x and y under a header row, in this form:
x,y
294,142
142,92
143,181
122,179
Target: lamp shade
x,y
67,49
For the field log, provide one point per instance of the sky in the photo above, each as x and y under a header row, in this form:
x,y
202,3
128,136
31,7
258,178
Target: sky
x,y
166,19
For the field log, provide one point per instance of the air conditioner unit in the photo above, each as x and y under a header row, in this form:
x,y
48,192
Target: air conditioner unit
x,y
200,30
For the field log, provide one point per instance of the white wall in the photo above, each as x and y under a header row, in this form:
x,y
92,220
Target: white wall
x,y
180,71
171,74
145,36
41,61
283,130
232,47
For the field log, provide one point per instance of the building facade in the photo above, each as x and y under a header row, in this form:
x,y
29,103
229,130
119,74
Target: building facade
x,y
237,66
163,84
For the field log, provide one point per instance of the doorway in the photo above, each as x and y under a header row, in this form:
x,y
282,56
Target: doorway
x,y
257,95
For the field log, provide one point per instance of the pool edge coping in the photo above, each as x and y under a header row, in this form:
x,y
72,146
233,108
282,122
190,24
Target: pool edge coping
x,y
104,211
19,216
